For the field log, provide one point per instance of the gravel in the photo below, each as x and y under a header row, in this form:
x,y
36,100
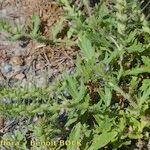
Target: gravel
x,y
23,70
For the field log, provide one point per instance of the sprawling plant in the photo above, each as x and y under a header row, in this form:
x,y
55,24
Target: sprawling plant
x,y
105,103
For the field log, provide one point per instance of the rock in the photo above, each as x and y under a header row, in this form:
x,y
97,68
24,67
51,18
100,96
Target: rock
x,y
18,68
20,76
35,119
67,95
6,100
6,68
40,66
41,81
140,144
27,83
28,60
20,52
16,61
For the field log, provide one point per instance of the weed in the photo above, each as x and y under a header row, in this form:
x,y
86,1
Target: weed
x,y
108,96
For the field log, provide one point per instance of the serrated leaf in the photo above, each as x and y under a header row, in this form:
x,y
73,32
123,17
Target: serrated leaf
x,y
36,24
75,137
102,140
136,47
145,84
104,125
131,36
108,96
136,71
146,60
71,121
72,83
144,96
146,29
86,47
57,28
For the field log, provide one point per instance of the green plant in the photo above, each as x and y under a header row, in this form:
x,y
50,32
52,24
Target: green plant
x,y
110,89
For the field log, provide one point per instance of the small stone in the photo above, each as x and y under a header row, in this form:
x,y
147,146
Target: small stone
x,y
41,81
35,119
148,145
7,68
6,101
16,60
18,68
20,52
28,60
20,76
67,95
39,66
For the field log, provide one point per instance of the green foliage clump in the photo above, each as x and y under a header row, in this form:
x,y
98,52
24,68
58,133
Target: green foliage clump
x,y
108,96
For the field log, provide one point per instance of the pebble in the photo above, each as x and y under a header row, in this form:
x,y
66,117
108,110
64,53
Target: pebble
x,y
16,60
41,81
35,119
27,83
19,51
67,95
20,76
28,60
18,68
6,100
148,145
6,68
40,66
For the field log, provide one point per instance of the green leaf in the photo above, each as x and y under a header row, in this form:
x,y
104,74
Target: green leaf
x,y
36,25
86,47
75,137
71,121
104,124
136,47
145,96
72,86
19,135
82,91
131,37
145,84
108,96
146,60
136,71
102,140
57,28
